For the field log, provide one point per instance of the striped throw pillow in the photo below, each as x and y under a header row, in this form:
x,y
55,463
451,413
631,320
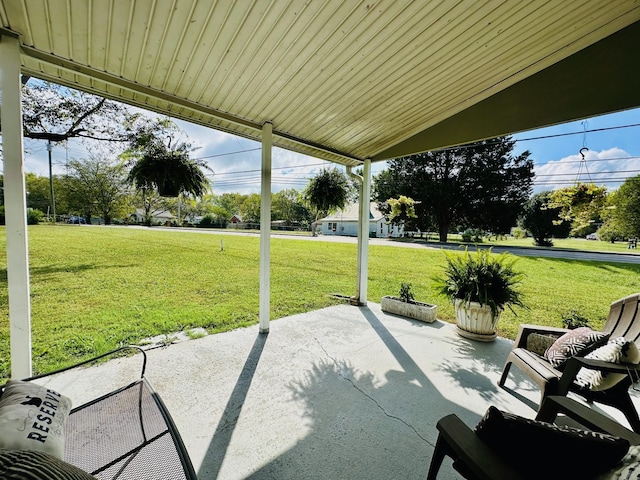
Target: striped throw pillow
x,y
578,341
35,465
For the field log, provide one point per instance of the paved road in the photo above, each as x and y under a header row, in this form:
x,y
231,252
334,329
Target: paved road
x,y
519,251
606,257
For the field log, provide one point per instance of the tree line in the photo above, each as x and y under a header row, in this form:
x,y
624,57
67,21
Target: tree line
x,y
138,162
485,189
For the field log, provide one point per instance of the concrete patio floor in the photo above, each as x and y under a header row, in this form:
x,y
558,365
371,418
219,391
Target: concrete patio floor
x,y
340,393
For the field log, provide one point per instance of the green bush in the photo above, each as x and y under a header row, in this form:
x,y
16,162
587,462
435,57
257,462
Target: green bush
x,y
212,221
34,216
609,233
472,235
519,233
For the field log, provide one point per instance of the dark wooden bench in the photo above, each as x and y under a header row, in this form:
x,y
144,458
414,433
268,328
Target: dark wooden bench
x,y
476,460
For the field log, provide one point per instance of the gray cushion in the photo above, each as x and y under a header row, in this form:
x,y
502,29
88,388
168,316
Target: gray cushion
x,y
33,417
540,343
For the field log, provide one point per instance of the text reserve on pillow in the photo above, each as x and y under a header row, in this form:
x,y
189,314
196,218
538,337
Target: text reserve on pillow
x,y
33,417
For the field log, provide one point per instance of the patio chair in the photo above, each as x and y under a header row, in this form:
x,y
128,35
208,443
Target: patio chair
x,y
623,321
475,459
127,434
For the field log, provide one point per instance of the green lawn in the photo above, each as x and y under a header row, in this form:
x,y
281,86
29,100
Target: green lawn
x,y
94,288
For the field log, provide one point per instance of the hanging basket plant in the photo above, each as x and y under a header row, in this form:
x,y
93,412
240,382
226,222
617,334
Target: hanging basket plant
x,y
169,170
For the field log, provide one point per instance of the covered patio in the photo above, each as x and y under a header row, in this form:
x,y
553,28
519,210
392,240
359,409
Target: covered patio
x,y
348,82
344,392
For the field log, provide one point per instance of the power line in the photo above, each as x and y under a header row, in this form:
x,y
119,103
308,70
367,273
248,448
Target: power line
x,y
227,154
571,182
593,173
591,160
542,137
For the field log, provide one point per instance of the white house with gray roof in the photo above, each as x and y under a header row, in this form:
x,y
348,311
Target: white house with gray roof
x,y
345,222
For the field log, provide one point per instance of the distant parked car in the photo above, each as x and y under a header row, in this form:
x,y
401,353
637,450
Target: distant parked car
x,y
77,220
592,236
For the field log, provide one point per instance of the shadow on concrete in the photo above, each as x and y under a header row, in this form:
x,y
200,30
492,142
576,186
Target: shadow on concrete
x,y
360,426
222,436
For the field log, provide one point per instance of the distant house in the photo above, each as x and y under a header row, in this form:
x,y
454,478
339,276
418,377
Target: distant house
x,y
235,219
345,222
157,216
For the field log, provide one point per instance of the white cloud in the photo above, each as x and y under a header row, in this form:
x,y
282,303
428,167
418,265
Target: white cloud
x,y
604,168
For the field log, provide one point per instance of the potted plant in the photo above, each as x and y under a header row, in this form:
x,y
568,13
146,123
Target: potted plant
x,y
480,285
158,163
405,304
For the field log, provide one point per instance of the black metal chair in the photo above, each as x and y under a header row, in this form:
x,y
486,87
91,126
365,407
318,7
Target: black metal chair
x,y
127,434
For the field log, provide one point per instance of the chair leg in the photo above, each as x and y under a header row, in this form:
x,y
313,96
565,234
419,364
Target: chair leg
x,y
505,373
626,406
548,411
439,453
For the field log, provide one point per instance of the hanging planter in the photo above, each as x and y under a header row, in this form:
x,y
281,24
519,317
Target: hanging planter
x,y
168,189
168,170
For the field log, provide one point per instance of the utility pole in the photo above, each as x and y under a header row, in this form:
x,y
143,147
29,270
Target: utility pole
x,y
53,199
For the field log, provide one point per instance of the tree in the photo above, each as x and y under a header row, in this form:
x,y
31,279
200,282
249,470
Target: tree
x,y
250,209
481,185
56,114
623,213
149,201
327,192
581,204
98,186
159,160
288,206
543,220
38,192
402,210
231,202
190,208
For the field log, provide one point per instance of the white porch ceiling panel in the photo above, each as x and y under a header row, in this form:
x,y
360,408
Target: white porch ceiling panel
x,y
342,80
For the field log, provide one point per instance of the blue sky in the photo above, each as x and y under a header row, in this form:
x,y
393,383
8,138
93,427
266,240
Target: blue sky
x,y
558,161
611,155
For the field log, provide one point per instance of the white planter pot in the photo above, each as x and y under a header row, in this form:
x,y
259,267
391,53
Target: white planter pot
x,y
424,312
475,321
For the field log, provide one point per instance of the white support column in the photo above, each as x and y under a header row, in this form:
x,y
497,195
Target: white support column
x,y
265,229
15,207
365,201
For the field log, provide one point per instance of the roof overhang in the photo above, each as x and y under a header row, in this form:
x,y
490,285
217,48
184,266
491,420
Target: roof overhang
x,y
342,81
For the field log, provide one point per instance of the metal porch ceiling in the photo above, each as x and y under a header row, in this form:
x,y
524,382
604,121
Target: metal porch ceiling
x,y
343,80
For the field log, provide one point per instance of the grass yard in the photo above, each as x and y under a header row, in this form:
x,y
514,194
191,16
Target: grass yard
x,y
95,288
